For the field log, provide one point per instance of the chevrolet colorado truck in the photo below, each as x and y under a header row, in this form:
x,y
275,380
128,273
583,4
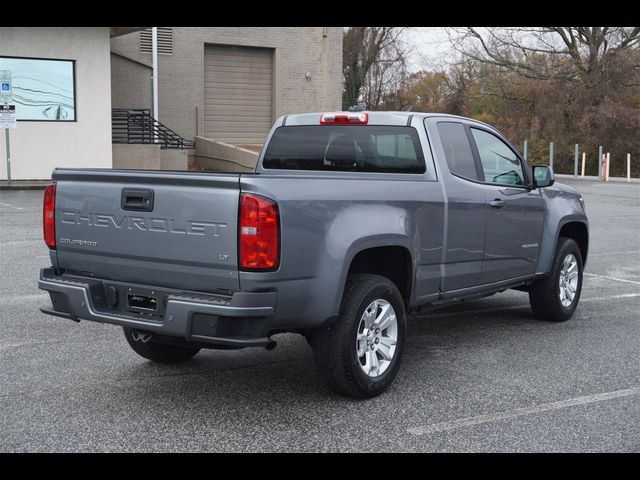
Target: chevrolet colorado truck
x,y
350,222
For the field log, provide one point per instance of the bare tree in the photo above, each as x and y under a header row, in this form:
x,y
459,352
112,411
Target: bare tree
x,y
566,84
374,63
570,53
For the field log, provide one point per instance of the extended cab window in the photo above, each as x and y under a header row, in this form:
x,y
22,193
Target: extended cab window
x,y
351,148
499,163
457,150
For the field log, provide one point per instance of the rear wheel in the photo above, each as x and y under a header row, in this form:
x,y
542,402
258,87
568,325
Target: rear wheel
x,y
143,344
359,355
556,297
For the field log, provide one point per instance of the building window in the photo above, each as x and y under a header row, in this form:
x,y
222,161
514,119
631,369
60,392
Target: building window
x,y
42,89
165,41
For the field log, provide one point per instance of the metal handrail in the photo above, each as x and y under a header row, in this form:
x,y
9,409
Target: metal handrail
x,y
137,126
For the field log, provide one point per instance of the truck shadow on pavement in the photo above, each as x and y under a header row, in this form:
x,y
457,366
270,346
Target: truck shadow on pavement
x,y
288,375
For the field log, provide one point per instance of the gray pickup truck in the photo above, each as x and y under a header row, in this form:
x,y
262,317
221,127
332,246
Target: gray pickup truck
x,y
350,222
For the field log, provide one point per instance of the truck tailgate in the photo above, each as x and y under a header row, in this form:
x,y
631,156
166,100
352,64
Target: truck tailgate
x,y
156,228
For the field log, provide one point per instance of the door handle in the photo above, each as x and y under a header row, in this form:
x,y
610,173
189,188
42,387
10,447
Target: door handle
x,y
497,203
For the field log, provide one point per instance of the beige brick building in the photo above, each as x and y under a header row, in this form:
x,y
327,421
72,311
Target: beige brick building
x,y
223,83
229,83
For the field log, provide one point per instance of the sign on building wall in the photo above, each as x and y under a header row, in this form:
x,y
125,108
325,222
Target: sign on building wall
x,y
42,89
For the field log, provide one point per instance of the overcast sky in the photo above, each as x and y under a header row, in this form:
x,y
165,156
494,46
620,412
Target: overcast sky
x,y
431,47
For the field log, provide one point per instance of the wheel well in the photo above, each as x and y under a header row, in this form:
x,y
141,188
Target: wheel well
x,y
393,263
578,232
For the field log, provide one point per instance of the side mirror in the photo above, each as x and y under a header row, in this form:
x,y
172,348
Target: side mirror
x,y
542,176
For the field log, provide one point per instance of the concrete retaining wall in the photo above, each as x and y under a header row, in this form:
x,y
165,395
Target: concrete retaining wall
x,y
149,157
222,157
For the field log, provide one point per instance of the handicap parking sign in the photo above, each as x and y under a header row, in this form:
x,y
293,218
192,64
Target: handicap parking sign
x,y
5,86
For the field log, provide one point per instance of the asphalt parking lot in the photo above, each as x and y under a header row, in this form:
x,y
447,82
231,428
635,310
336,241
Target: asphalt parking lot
x,y
484,376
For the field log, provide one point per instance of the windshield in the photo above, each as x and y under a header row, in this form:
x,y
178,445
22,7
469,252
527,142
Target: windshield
x,y
346,148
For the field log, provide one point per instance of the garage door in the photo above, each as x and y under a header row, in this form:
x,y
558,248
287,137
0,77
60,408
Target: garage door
x,y
237,93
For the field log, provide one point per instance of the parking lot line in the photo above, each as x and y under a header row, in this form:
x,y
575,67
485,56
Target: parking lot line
x,y
23,298
611,297
632,252
519,412
14,242
11,206
634,282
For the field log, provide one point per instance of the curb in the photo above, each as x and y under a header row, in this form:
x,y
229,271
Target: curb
x,y
17,186
593,178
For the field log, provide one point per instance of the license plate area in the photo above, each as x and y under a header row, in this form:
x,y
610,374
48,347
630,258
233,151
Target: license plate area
x,y
144,303
147,303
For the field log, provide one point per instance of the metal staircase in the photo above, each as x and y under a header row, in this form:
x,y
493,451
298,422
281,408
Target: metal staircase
x,y
137,126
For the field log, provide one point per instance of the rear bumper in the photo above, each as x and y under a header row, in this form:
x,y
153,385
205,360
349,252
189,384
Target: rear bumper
x,y
240,320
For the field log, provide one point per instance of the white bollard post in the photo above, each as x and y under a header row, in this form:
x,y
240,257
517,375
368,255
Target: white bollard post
x,y
606,179
628,167
584,157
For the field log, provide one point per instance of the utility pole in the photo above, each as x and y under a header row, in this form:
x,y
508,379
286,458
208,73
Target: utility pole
x,y
154,61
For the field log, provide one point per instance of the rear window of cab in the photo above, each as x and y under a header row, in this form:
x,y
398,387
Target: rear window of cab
x,y
345,148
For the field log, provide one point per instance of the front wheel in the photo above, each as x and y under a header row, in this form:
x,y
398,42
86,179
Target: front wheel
x,y
359,354
143,344
556,297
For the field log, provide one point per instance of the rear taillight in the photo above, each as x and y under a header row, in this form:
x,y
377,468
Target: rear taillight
x,y
48,216
258,233
344,118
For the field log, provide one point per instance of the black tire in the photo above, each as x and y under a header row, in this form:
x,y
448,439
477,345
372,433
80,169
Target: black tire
x,y
334,346
544,294
158,352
